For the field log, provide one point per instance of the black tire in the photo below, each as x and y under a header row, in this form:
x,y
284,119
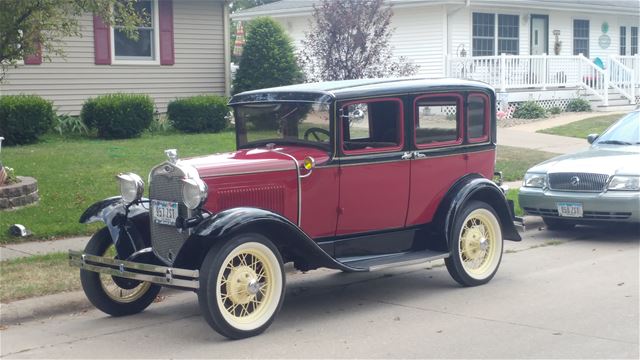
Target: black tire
x,y
94,289
558,224
475,244
221,267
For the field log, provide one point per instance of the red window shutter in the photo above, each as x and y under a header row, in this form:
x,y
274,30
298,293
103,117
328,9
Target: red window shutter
x,y
34,59
101,42
165,14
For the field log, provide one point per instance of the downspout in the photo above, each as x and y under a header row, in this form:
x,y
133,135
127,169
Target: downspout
x,y
227,50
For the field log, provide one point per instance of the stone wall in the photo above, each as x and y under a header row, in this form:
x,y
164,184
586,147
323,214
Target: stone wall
x,y
20,194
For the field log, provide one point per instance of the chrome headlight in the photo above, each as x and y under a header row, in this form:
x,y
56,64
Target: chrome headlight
x,y
535,180
626,183
131,187
194,192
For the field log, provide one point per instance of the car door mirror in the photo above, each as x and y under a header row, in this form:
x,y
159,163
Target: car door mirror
x,y
592,137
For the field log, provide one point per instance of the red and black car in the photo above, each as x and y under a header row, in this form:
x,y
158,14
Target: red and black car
x,y
350,175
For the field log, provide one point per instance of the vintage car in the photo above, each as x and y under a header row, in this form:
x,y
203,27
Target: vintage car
x,y
351,175
597,185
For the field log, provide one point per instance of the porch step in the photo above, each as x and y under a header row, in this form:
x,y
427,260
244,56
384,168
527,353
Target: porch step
x,y
373,263
616,108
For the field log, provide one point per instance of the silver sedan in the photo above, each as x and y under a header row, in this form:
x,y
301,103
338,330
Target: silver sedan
x,y
599,184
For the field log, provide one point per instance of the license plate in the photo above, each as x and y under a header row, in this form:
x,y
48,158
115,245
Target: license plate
x,y
164,212
568,209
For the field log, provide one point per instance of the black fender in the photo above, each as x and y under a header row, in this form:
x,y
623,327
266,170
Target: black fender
x,y
294,244
474,187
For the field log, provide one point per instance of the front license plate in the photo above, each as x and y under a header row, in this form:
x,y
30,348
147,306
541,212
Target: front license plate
x,y
164,212
569,209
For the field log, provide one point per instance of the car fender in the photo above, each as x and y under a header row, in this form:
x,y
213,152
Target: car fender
x,y
288,237
475,187
113,208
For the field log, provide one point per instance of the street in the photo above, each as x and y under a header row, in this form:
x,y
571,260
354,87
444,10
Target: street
x,y
556,295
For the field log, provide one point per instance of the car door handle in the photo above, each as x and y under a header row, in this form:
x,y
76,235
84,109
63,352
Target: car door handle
x,y
407,156
417,155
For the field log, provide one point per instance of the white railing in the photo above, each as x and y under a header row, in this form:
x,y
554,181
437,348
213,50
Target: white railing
x,y
542,71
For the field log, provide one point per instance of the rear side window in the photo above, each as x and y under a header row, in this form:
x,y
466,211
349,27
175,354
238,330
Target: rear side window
x,y
371,126
438,120
478,115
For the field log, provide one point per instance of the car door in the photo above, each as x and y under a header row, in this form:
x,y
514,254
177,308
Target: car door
x,y
374,173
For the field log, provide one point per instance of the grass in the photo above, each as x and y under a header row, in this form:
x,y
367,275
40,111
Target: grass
x,y
512,194
514,161
36,276
580,129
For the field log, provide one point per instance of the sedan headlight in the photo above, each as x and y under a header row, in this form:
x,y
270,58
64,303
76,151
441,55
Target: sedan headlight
x,y
131,187
534,180
627,183
194,193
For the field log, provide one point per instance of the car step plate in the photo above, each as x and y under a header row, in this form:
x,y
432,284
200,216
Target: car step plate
x,y
392,260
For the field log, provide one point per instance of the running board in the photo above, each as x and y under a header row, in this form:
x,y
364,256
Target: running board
x,y
392,260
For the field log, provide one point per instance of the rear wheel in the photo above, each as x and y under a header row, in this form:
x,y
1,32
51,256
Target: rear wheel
x,y
476,246
558,224
242,285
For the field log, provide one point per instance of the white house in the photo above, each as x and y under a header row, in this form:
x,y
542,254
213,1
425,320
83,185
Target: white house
x,y
545,50
183,51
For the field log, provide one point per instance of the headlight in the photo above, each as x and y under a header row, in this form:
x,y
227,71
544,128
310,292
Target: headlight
x,y
628,183
534,180
194,193
131,187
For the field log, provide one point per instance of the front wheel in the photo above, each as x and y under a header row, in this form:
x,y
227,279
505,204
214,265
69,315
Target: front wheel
x,y
476,246
242,285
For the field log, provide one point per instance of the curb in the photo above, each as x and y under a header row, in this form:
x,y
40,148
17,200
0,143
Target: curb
x,y
17,312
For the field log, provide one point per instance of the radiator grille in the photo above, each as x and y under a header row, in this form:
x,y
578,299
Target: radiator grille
x,y
269,197
166,185
578,181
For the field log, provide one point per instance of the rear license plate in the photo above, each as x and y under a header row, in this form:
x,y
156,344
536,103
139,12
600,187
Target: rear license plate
x,y
569,209
164,212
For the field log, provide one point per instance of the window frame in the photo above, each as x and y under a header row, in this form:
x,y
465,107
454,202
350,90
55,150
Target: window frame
x,y
399,121
498,38
155,60
459,123
633,51
623,41
474,37
588,38
487,118
496,33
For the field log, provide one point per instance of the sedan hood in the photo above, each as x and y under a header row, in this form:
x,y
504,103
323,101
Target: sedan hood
x,y
601,159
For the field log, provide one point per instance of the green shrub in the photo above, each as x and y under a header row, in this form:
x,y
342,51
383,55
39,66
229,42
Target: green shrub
x,y
204,113
160,124
579,104
67,124
529,110
268,59
23,118
118,116
555,110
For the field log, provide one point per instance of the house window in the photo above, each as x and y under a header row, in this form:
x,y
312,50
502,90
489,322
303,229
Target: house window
x,y
623,40
634,40
581,37
144,47
437,121
485,41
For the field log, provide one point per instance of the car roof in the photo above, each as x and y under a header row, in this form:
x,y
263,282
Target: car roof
x,y
346,89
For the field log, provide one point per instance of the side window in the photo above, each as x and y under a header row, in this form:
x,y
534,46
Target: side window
x,y
371,126
438,120
478,113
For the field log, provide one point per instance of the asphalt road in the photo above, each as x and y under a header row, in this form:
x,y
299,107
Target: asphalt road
x,y
556,295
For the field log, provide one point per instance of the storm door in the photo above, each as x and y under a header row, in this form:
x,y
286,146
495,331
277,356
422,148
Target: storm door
x,y
539,37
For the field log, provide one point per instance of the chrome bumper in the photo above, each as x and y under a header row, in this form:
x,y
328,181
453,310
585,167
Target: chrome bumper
x,y
161,275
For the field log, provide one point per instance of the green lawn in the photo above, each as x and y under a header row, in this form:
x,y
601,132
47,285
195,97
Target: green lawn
x,y
512,194
514,162
580,129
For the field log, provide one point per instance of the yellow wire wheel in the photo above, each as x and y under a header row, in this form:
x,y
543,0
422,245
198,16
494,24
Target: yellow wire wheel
x,y
115,291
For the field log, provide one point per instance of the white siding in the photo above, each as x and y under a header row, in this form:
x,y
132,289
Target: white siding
x,y
199,65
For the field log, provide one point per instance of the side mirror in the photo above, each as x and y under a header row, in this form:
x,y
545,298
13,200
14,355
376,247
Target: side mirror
x,y
592,137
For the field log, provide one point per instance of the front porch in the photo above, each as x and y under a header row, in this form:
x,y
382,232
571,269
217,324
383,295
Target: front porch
x,y
610,83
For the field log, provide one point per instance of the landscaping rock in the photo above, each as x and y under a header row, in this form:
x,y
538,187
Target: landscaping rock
x,y
19,194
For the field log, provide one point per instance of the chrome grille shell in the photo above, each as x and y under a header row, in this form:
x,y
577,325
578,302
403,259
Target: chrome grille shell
x,y
572,181
165,183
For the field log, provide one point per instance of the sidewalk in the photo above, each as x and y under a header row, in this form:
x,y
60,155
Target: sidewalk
x,y
15,251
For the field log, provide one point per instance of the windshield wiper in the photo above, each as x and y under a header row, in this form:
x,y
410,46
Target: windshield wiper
x,y
615,142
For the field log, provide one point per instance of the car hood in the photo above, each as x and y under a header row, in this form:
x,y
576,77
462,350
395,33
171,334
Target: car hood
x,y
256,160
601,159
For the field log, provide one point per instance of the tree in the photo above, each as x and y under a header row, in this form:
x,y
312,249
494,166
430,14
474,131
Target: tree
x,y
268,59
30,27
349,39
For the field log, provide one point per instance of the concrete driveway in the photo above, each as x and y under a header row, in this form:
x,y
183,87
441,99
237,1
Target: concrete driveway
x,y
557,295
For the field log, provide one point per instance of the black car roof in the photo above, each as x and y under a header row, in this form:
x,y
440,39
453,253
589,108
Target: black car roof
x,y
347,89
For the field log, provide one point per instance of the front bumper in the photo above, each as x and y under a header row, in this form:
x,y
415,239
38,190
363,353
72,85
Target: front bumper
x,y
160,275
622,206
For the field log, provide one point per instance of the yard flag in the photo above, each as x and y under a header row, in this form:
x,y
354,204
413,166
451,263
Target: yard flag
x,y
239,43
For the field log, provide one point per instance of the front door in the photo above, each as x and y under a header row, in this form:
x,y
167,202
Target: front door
x,y
539,34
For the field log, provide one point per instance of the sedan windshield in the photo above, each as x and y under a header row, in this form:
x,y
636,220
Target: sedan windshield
x,y
625,131
290,122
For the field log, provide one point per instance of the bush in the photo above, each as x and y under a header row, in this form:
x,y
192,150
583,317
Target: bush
x,y
23,118
579,104
555,110
118,116
268,59
529,110
66,124
204,113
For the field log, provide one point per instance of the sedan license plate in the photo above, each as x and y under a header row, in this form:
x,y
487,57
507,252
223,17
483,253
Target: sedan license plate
x,y
164,212
569,209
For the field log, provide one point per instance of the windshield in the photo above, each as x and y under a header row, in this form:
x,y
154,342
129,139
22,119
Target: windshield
x,y
625,131
306,123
